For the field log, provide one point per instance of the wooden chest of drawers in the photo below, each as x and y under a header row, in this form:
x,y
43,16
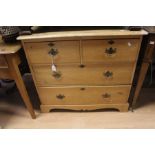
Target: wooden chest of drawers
x,y
83,70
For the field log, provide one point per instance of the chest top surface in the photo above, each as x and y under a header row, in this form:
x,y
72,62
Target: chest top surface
x,y
85,33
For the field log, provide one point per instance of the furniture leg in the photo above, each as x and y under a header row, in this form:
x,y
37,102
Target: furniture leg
x,y
13,65
141,78
144,68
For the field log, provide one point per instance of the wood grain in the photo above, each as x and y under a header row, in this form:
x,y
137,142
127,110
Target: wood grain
x,y
148,57
84,95
5,73
121,107
9,48
91,74
13,62
87,33
9,69
84,71
3,62
68,51
95,50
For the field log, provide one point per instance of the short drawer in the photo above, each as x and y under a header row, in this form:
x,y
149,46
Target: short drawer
x,y
60,51
110,50
84,95
90,74
3,62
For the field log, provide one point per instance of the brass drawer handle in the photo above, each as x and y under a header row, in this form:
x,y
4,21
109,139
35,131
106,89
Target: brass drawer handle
x,y
82,66
108,74
106,95
60,96
50,44
53,52
56,75
110,51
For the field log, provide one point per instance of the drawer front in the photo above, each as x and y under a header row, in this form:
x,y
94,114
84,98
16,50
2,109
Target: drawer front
x,y
3,62
83,95
88,75
110,50
61,51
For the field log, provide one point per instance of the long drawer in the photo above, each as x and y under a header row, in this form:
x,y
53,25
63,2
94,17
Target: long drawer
x,y
60,51
110,50
84,95
90,74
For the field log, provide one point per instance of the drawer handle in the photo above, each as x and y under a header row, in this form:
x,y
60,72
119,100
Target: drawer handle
x,y
111,42
106,95
53,52
108,74
82,66
50,44
60,96
82,89
110,51
56,75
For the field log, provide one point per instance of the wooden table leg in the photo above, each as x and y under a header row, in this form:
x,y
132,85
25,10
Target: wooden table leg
x,y
144,68
141,78
13,62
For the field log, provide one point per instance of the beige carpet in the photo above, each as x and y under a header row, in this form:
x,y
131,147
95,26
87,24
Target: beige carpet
x,y
13,114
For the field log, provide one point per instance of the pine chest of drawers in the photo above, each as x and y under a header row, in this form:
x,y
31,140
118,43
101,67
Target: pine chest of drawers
x,y
83,70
